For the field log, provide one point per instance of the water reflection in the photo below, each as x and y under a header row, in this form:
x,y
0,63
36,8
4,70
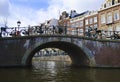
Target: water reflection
x,y
50,71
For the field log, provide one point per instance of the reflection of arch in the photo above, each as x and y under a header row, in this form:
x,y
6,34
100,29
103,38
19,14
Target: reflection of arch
x,y
80,56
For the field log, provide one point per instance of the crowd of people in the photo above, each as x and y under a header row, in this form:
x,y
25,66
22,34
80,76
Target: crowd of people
x,y
37,30
34,30
101,34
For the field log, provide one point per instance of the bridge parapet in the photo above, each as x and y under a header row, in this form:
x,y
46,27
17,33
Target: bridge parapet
x,y
18,51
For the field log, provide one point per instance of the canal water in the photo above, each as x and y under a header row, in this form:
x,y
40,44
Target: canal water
x,y
51,71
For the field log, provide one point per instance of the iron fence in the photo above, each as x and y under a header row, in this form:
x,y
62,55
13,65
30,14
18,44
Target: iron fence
x,y
58,30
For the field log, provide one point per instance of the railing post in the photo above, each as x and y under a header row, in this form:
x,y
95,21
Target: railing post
x,y
65,30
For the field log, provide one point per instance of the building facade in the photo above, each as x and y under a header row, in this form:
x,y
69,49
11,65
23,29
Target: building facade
x,y
109,16
77,23
64,19
91,21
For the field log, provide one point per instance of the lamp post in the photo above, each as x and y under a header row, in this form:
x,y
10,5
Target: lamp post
x,y
18,23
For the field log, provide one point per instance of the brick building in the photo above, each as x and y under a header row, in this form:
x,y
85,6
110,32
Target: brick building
x,y
64,19
77,22
91,21
109,16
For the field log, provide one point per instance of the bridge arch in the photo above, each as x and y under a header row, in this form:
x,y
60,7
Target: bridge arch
x,y
78,55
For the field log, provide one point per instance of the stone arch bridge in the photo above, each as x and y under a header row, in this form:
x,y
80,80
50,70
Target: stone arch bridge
x,y
18,51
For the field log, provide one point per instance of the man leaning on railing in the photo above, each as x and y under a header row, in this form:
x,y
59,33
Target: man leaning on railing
x,y
115,35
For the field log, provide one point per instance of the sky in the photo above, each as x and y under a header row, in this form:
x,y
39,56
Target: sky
x,y
34,12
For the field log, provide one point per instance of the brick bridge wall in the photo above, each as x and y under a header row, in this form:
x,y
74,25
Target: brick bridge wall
x,y
18,51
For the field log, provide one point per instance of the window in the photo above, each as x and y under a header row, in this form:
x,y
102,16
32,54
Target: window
x,y
117,28
74,31
103,19
116,1
95,19
90,20
104,5
86,22
116,15
95,26
80,31
110,30
86,29
109,18
73,25
77,24
81,23
108,4
91,26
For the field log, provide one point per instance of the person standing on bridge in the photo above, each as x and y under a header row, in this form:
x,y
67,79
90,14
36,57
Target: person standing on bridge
x,y
89,31
54,29
40,29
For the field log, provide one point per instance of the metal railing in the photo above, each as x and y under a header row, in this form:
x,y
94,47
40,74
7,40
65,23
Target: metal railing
x,y
58,30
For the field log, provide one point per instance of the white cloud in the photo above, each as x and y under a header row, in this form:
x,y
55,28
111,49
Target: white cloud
x,y
31,16
24,14
79,5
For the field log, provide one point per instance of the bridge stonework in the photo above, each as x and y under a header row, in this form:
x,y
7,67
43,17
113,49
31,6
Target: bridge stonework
x,y
18,51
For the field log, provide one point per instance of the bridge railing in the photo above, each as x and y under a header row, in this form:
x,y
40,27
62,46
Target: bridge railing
x,y
59,30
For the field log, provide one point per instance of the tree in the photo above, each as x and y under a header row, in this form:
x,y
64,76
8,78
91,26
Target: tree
x,y
4,21
4,26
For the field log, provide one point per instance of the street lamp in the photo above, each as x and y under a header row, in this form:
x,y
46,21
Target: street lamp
x,y
17,32
18,23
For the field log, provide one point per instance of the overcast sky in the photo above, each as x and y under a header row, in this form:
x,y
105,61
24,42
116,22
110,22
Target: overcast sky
x,y
33,12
